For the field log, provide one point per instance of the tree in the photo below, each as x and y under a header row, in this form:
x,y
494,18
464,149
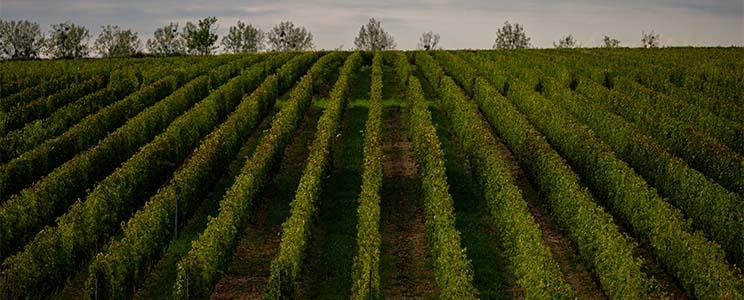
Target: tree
x,y
200,39
243,38
20,39
511,37
429,41
650,40
67,40
114,42
167,41
286,37
610,42
372,37
566,42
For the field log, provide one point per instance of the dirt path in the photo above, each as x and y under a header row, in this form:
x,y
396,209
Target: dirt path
x,y
248,271
405,265
575,272
158,284
406,268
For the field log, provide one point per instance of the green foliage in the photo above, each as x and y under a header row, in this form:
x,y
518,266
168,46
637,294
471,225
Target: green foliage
x,y
537,272
120,84
24,213
116,269
697,148
607,252
366,265
44,106
89,223
711,207
200,38
698,263
453,271
402,68
29,94
286,37
200,269
243,39
285,267
115,42
67,40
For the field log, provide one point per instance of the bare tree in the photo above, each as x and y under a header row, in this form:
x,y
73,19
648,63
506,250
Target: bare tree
x,y
429,41
167,41
20,39
566,42
286,37
67,40
200,38
610,42
243,38
650,40
114,42
511,37
372,37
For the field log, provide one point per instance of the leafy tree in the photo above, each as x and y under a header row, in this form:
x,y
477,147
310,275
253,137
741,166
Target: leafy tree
x,y
286,37
650,40
243,38
429,41
114,42
200,38
566,42
167,41
372,37
511,37
20,39
610,42
67,40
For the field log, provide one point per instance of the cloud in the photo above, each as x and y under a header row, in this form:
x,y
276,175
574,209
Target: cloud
x,y
462,24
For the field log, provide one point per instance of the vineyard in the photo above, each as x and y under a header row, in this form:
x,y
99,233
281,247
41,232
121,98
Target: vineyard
x,y
537,174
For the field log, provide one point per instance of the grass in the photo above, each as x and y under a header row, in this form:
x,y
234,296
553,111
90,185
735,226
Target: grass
x,y
327,274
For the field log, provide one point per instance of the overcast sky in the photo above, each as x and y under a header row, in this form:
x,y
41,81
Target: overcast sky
x,y
461,24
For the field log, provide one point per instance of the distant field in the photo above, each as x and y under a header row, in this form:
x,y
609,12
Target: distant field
x,y
538,174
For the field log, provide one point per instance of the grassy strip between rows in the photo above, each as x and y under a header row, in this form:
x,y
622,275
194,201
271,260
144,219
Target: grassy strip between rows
x,y
453,271
202,267
599,242
56,251
285,267
366,262
43,107
121,84
32,165
536,271
25,213
115,271
698,263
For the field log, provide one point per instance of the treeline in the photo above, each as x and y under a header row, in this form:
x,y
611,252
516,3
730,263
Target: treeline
x,y
23,39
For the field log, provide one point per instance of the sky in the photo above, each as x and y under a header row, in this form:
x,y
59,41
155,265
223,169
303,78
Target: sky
x,y
470,24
